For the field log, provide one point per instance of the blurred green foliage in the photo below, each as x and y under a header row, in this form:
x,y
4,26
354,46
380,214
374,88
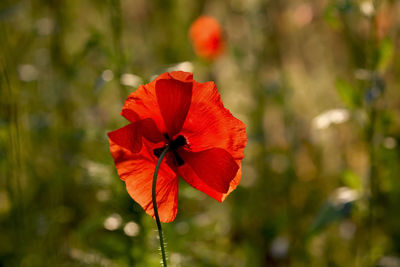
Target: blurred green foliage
x,y
316,83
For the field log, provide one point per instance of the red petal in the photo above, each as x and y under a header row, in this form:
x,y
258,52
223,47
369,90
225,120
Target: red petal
x,y
128,137
137,171
192,178
209,124
150,131
143,103
188,174
174,99
235,182
181,76
215,167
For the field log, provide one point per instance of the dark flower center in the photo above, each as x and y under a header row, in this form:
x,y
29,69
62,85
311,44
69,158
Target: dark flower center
x,y
173,146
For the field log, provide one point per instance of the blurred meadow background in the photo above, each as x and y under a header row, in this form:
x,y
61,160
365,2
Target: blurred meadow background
x,y
316,82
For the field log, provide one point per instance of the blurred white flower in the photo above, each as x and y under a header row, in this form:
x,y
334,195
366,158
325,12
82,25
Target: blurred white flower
x,y
27,73
183,66
367,8
107,75
389,143
129,79
343,195
113,222
279,247
131,229
332,116
99,172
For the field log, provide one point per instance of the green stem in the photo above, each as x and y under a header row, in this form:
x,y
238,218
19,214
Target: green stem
x,y
160,233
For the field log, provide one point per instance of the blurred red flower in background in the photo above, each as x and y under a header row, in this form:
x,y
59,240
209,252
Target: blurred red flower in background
x,y
206,36
205,142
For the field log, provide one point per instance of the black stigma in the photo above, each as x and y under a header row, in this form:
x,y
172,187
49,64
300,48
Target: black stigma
x,y
173,145
179,141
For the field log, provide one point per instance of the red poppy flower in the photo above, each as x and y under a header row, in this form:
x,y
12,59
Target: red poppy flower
x,y
205,142
206,36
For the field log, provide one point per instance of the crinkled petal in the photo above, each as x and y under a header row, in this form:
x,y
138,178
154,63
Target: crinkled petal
x,y
137,170
215,167
173,97
143,103
188,174
128,137
210,125
150,132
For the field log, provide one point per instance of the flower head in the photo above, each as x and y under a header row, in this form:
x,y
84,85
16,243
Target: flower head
x,y
205,142
206,36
